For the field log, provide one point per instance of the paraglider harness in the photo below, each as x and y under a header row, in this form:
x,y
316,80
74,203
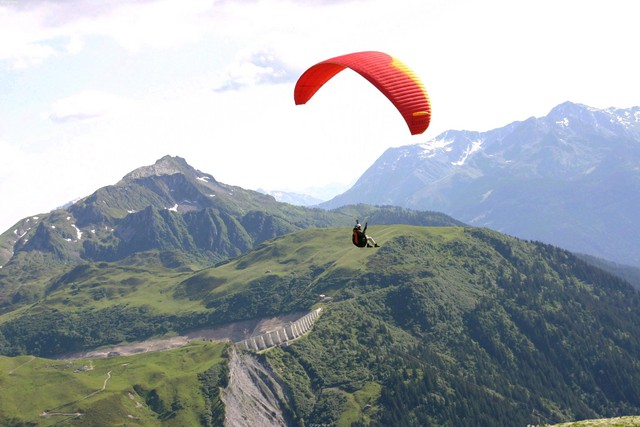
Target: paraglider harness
x,y
359,238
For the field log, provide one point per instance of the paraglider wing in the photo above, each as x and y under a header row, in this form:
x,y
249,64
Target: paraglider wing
x,y
394,79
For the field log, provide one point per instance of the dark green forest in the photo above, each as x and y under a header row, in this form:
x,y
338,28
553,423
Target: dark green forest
x,y
519,333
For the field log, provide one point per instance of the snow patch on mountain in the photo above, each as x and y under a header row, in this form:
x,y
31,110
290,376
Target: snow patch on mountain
x,y
627,118
472,148
430,148
20,235
78,232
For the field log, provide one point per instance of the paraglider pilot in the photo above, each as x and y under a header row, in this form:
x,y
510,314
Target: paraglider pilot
x,y
360,238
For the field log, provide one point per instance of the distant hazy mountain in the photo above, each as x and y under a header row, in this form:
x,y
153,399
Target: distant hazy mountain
x,y
292,198
571,178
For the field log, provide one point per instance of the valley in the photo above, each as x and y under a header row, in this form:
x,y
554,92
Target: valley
x,y
234,332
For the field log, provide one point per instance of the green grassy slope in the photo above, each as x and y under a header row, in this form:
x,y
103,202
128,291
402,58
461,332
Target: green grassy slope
x,y
37,249
325,254
160,388
105,303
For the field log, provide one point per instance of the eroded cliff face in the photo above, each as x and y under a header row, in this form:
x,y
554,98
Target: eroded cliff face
x,y
253,397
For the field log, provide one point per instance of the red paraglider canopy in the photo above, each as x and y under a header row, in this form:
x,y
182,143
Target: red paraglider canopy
x,y
394,79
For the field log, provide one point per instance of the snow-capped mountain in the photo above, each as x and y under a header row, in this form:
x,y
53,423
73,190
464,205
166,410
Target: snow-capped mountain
x,y
571,178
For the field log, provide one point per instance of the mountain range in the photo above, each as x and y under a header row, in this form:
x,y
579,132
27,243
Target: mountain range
x,y
186,217
571,178
445,324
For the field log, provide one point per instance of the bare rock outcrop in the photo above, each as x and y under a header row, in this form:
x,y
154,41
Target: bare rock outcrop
x,y
253,397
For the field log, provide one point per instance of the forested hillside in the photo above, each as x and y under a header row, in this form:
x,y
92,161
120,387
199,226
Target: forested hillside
x,y
469,328
439,326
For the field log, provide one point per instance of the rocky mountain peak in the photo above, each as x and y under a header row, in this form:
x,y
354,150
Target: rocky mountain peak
x,y
622,121
167,165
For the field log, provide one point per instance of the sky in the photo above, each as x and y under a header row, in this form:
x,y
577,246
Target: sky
x,y
91,90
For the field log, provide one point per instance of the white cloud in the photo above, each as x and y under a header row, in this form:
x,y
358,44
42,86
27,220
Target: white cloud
x,y
32,32
159,24
260,67
30,182
88,104
74,45
11,160
18,42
